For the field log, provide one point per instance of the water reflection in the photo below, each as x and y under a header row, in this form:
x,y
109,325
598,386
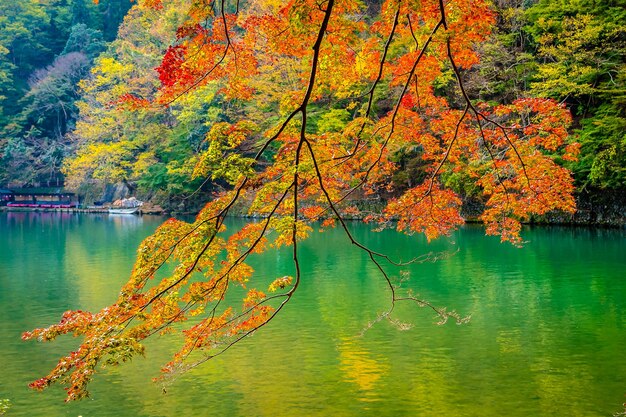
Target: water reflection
x,y
546,337
30,217
362,367
126,222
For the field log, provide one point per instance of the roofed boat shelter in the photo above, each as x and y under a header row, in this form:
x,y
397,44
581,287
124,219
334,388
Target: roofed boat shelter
x,y
43,198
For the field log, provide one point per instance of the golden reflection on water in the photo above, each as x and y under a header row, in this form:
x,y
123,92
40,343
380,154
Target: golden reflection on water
x,y
361,367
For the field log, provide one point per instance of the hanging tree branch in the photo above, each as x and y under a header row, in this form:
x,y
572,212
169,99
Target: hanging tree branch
x,y
303,58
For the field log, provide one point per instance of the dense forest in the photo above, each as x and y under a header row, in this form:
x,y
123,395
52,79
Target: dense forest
x,y
46,48
73,87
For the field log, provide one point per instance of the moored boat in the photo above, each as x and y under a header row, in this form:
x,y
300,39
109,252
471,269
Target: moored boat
x,y
129,210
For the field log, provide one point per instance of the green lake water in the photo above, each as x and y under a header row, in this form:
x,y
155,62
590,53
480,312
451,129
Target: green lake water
x,y
547,335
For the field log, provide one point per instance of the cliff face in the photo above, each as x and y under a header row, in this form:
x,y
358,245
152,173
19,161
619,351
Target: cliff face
x,y
594,208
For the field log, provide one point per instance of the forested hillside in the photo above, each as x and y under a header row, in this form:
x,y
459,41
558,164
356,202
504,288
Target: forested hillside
x,y
46,48
102,131
116,138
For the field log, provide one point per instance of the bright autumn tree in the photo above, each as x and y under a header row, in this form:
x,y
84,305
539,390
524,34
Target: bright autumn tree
x,y
323,95
147,147
121,143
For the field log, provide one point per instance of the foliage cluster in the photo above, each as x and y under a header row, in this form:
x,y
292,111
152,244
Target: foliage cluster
x,y
573,52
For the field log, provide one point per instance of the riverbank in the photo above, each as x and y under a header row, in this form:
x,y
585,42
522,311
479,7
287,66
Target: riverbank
x,y
594,209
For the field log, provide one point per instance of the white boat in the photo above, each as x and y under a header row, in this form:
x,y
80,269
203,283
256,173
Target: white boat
x,y
130,210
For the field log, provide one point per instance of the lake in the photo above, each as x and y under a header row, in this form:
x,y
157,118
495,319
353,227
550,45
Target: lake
x,y
547,335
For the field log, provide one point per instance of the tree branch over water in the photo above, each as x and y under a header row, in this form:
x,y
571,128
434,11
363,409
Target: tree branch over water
x,y
303,63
